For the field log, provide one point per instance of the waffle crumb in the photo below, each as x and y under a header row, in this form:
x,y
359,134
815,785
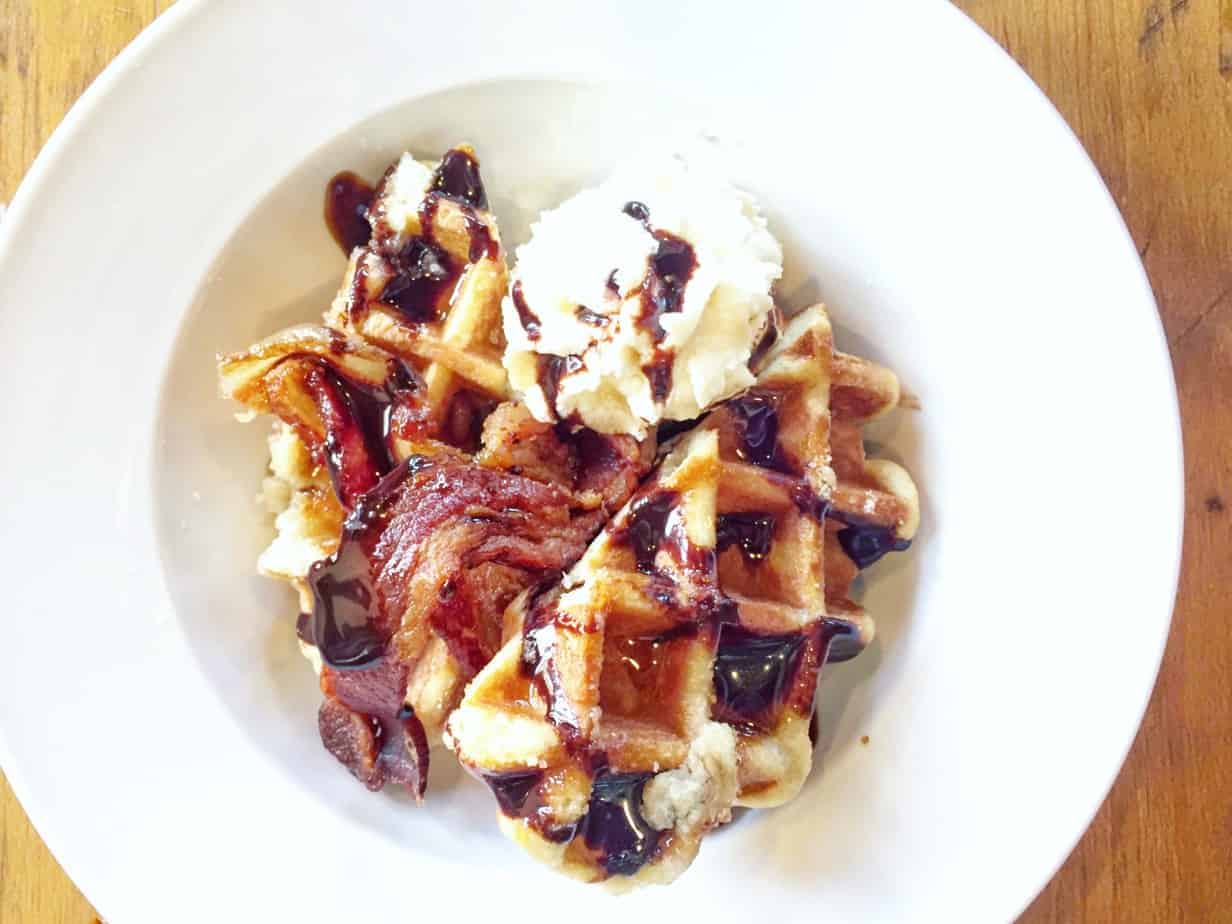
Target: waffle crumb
x,y
700,794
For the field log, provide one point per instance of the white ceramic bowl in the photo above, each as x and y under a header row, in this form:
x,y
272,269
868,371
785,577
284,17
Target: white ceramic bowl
x,y
156,720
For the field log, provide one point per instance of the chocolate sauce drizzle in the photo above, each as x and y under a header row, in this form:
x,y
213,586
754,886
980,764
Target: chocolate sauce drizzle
x,y
551,369
752,673
358,419
530,320
866,543
757,429
349,626
648,527
756,419
752,532
347,198
662,292
519,795
482,244
614,826
513,789
458,178
422,273
673,428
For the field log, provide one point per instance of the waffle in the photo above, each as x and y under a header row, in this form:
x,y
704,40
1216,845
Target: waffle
x,y
428,285
671,674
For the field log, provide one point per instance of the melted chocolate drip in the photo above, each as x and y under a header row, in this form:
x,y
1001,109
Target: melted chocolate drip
x,y
647,528
530,320
669,272
663,288
614,826
345,601
483,244
757,427
539,630
659,374
357,422
866,543
753,532
752,674
457,177
423,273
672,428
347,198
541,610
348,624
551,369
513,789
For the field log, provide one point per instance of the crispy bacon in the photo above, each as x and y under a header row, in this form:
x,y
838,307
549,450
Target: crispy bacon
x,y
449,519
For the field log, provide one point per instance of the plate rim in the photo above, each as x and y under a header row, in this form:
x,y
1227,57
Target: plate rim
x,y
178,17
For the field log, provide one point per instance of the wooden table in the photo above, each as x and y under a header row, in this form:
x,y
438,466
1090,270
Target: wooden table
x,y
1147,85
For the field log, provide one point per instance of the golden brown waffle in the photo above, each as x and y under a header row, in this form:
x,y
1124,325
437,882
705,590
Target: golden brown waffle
x,y
671,675
428,285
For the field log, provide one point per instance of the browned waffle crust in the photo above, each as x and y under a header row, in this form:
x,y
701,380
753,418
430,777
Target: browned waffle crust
x,y
671,675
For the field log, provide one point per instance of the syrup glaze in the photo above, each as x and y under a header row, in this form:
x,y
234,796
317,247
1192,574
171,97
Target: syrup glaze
x,y
648,527
550,370
420,274
614,827
756,418
349,626
755,415
530,320
358,419
866,543
754,674
752,532
347,198
662,292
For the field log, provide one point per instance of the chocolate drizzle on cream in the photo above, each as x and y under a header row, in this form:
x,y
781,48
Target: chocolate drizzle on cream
x,y
551,369
662,292
528,319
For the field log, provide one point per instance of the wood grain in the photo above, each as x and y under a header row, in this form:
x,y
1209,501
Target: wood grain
x,y
1148,88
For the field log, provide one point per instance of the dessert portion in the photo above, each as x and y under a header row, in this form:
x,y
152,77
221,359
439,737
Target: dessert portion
x,y
427,285
671,674
411,506
491,548
641,300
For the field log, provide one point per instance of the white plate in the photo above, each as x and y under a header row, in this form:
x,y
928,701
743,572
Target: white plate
x,y
157,722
